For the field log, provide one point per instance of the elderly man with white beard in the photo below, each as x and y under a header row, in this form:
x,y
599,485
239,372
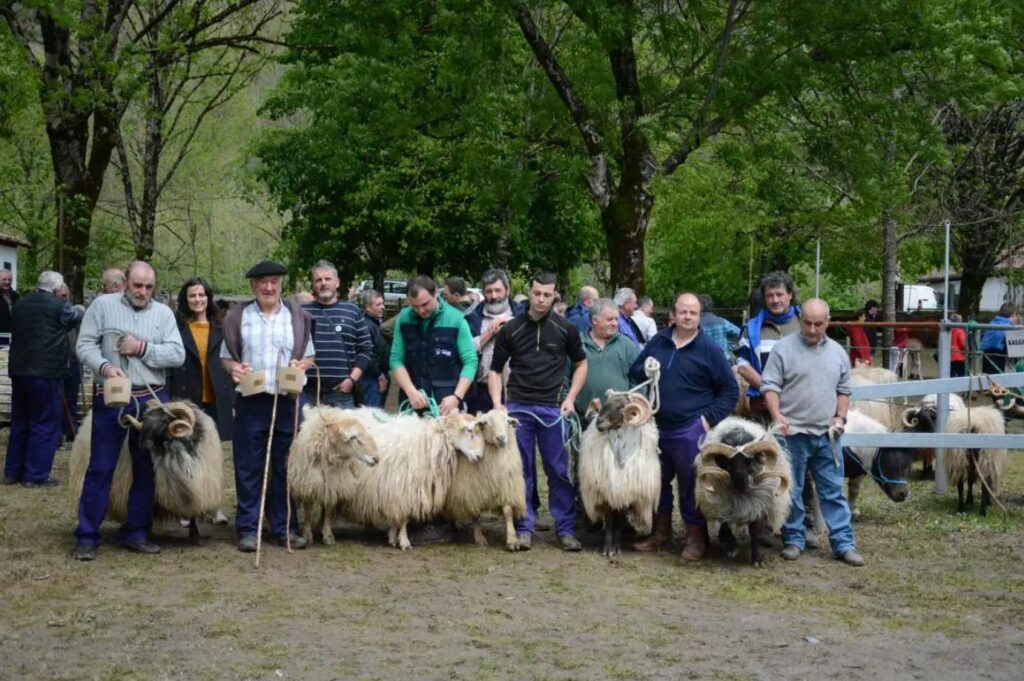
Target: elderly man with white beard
x,y
484,323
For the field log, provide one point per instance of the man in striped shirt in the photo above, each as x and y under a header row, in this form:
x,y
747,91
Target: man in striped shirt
x,y
130,335
344,346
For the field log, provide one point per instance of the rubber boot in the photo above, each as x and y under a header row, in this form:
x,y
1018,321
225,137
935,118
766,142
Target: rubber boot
x,y
696,543
660,537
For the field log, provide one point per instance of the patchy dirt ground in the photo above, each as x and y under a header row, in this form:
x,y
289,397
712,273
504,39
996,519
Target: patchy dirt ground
x,y
942,597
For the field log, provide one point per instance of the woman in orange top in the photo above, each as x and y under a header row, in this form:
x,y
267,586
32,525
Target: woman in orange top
x,y
957,349
201,378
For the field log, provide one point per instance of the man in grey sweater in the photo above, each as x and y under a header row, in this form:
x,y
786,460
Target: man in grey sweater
x,y
806,385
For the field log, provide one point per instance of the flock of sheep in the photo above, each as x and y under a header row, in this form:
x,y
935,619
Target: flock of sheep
x,y
387,471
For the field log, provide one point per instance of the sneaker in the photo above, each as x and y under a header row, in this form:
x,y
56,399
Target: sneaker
x,y
48,482
431,533
247,543
142,546
83,553
791,552
297,542
811,541
525,540
570,543
852,558
11,481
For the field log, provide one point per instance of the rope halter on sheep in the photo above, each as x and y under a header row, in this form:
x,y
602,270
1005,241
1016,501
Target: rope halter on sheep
x,y
640,409
709,469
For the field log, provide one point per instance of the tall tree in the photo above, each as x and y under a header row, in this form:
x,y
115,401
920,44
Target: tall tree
x,y
983,194
88,57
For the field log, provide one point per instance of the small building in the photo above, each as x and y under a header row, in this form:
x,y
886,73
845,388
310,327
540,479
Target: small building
x,y
9,255
998,289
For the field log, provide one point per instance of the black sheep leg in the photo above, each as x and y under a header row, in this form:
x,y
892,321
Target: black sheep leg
x,y
620,520
609,533
728,540
193,531
960,507
755,549
986,499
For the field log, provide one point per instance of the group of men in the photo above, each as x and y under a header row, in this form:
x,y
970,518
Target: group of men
x,y
538,365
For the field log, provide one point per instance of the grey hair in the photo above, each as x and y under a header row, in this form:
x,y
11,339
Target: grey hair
x,y
324,265
586,293
600,305
6,271
137,264
368,296
50,281
623,295
644,300
493,275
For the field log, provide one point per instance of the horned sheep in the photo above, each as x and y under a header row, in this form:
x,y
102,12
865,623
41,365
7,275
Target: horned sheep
x,y
187,463
414,471
743,478
620,473
329,453
494,483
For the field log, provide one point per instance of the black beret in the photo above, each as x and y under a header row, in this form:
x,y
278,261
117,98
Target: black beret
x,y
267,268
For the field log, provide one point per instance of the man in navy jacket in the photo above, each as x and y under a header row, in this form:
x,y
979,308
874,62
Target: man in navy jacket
x,y
698,390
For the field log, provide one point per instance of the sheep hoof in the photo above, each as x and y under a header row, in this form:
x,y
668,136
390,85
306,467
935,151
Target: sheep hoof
x,y
405,547
759,564
731,552
855,513
512,546
329,540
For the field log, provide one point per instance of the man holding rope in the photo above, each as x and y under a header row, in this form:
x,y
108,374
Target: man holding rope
x,y
126,335
263,336
697,391
807,390
537,345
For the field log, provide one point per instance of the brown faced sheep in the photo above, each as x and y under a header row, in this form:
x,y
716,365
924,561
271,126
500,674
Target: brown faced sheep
x,y
620,473
327,456
494,483
187,463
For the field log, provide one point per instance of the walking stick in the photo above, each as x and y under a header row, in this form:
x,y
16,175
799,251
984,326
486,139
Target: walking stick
x,y
266,477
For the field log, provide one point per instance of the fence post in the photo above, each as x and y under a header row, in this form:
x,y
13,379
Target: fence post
x,y
942,408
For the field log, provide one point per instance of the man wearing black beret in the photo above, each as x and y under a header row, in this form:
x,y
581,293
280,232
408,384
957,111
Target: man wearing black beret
x,y
262,336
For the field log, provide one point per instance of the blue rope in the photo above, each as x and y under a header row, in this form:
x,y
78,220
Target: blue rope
x,y
879,476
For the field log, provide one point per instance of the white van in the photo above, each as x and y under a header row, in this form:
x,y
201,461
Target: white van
x,y
919,297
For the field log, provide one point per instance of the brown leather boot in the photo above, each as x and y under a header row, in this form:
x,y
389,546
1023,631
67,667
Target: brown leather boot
x,y
696,543
660,537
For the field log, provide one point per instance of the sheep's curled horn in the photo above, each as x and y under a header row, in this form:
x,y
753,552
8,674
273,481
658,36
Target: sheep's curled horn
x,y
637,412
711,470
910,419
182,426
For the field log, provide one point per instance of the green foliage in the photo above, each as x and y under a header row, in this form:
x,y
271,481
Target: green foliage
x,y
433,161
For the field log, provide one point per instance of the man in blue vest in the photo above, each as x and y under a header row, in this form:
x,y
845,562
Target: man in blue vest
x,y
37,367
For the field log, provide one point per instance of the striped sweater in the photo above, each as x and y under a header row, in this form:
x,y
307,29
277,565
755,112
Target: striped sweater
x,y
342,342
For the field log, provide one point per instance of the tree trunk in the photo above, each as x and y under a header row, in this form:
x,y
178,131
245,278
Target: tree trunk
x,y
78,168
145,242
625,221
972,281
890,272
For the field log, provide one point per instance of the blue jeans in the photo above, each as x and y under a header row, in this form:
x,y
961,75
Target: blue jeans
x,y
813,452
372,396
541,427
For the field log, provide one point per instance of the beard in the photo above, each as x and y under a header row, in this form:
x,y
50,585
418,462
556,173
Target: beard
x,y
324,295
496,307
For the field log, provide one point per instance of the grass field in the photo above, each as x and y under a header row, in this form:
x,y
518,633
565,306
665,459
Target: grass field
x,y
942,596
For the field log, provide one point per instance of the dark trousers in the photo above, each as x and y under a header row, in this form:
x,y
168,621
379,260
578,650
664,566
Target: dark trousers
x,y
679,449
331,398
35,428
72,385
107,440
957,369
993,363
478,400
252,429
541,427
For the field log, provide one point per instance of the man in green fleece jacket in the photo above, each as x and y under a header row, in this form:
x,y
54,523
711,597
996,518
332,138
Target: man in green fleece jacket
x,y
609,354
432,354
